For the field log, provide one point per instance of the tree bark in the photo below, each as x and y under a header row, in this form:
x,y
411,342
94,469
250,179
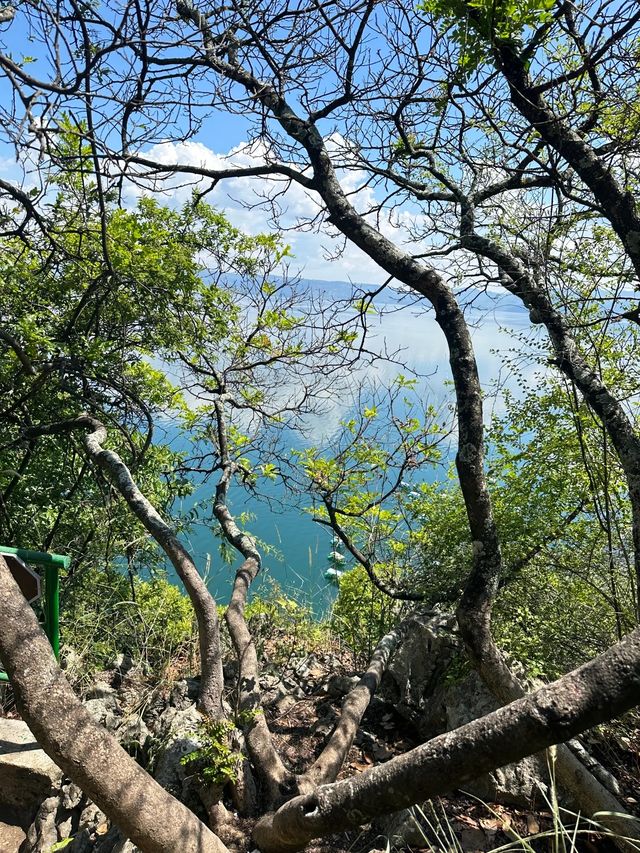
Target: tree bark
x,y
617,203
604,688
267,762
327,766
572,775
204,605
90,756
482,584
571,362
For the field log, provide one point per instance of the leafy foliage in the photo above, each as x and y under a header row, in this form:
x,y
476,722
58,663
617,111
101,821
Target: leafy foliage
x,y
361,484
476,24
215,762
106,614
283,627
361,614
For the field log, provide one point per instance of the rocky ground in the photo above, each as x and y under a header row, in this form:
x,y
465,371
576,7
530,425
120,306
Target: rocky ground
x,y
158,724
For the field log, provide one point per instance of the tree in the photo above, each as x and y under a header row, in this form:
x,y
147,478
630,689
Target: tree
x,y
78,336
104,340
509,133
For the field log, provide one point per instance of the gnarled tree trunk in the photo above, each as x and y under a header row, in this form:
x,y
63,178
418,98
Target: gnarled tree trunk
x,y
86,752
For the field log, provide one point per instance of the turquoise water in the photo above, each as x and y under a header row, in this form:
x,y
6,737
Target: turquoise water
x,y
299,547
296,557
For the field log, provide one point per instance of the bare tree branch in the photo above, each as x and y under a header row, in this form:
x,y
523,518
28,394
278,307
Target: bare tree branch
x,y
211,685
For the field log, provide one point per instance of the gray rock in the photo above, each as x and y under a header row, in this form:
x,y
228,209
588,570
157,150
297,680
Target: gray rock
x,y
323,728
114,842
107,841
133,733
473,839
185,693
285,704
415,679
182,738
72,663
103,711
11,837
420,827
91,818
230,670
27,774
125,847
274,690
122,663
83,842
402,828
307,666
339,685
288,688
105,692
43,832
162,725
71,796
65,828
101,702
518,784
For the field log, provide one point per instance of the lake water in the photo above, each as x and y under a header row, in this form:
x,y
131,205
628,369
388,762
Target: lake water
x,y
303,545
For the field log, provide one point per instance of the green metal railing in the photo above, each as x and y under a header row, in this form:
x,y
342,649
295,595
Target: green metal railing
x,y
51,563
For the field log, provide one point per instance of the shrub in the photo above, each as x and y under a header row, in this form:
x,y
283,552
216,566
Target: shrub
x,y
104,615
283,627
362,615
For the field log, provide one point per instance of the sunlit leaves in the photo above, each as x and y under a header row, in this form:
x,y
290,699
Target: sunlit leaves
x,y
477,24
367,482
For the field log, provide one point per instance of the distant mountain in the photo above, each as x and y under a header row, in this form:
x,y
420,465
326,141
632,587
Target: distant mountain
x,y
477,301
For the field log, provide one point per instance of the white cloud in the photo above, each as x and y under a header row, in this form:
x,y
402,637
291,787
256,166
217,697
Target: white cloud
x,y
246,202
259,203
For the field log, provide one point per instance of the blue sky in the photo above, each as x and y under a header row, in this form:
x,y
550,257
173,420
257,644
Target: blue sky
x,y
220,140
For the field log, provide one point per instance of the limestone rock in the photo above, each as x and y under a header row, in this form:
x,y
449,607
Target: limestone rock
x,y
338,685
11,838
27,774
285,704
415,679
185,693
183,737
43,832
114,842
422,827
65,827
91,817
133,734
71,796
272,690
82,843
101,702
122,664
125,847
104,691
518,784
402,829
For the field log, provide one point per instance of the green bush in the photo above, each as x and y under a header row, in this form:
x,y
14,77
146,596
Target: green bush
x,y
215,762
283,627
552,622
103,615
362,615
